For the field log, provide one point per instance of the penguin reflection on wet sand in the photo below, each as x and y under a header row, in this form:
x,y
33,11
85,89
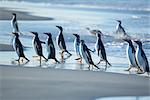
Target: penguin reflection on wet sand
x,y
18,47
76,47
85,53
130,52
50,47
141,58
61,42
38,46
100,49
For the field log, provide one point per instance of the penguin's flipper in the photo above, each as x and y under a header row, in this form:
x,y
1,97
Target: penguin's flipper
x,y
42,42
77,58
91,50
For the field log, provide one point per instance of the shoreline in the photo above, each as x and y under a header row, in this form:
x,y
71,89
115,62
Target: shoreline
x,y
59,84
6,14
6,47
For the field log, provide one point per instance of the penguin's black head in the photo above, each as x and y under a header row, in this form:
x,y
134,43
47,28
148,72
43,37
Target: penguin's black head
x,y
14,14
16,34
138,42
99,33
76,35
82,41
35,33
48,34
59,27
119,21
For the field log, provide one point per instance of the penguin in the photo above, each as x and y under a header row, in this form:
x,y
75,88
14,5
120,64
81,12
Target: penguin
x,y
15,24
76,47
120,31
85,53
50,47
93,32
130,52
61,42
100,50
37,46
141,58
18,47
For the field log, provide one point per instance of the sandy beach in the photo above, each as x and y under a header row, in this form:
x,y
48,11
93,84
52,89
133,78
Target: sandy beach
x,y
18,83
68,80
6,14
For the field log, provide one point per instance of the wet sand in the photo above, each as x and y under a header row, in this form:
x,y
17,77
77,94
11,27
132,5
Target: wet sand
x,y
19,83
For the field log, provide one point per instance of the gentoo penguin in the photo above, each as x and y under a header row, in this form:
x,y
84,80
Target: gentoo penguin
x,y
76,46
100,49
85,53
37,46
120,31
18,47
141,58
61,42
130,52
93,32
15,24
50,47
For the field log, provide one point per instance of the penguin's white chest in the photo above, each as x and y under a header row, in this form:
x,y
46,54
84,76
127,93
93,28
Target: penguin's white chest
x,y
130,56
76,47
33,45
14,43
83,54
96,46
48,46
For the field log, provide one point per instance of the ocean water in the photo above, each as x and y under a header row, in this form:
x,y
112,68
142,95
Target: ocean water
x,y
75,16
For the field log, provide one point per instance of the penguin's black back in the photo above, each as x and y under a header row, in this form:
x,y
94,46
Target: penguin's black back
x,y
86,50
51,54
19,48
61,41
146,61
102,49
38,46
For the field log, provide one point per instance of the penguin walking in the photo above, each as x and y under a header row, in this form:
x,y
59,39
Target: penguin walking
x,y
14,23
18,47
141,58
100,49
130,52
50,47
37,46
76,47
61,42
120,31
85,53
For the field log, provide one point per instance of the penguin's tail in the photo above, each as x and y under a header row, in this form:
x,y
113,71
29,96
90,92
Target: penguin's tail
x,y
109,63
